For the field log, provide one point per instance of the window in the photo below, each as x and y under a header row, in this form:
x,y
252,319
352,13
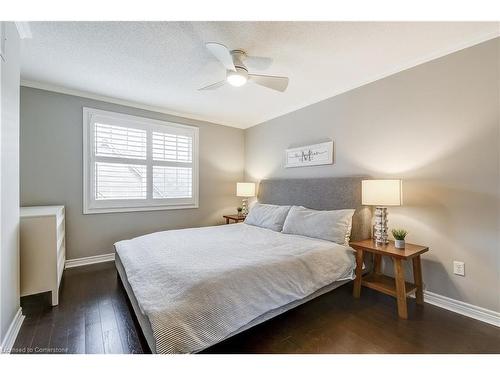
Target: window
x,y
137,164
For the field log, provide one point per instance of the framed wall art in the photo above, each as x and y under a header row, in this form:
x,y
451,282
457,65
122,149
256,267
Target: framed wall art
x,y
317,154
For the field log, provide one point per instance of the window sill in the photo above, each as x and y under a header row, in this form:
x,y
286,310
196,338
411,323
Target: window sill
x,y
90,211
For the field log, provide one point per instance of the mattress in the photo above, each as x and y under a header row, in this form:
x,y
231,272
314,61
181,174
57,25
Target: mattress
x,y
193,288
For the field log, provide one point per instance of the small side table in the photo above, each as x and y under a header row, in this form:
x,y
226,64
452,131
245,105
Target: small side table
x,y
396,287
234,218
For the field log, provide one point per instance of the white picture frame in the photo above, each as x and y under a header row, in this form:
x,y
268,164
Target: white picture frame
x,y
304,156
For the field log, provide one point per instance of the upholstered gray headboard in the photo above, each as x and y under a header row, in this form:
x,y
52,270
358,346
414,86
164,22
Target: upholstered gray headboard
x,y
332,193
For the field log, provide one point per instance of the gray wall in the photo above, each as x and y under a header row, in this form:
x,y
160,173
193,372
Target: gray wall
x,y
9,186
437,127
51,172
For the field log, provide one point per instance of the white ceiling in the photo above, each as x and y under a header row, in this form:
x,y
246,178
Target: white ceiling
x,y
162,64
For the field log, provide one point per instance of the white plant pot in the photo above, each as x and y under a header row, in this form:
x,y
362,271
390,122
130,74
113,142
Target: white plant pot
x,y
400,244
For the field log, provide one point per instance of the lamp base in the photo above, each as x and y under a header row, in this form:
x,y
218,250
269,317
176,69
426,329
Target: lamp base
x,y
244,205
380,229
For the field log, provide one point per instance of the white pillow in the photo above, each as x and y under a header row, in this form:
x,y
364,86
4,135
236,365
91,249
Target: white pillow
x,y
332,226
268,216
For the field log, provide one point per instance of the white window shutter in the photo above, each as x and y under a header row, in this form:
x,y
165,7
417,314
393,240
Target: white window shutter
x,y
119,141
172,182
171,147
120,181
138,164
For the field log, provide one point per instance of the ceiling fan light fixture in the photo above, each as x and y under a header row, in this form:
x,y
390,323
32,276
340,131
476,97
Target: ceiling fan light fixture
x,y
237,73
237,78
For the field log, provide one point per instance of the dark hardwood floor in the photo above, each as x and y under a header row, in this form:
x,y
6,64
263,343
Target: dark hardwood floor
x,y
94,316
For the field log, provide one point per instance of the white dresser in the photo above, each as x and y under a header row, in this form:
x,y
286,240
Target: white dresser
x,y
43,250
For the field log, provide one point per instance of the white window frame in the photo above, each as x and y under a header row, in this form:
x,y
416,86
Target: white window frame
x,y
92,206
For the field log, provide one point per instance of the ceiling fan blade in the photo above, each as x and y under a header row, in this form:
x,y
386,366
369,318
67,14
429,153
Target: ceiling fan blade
x,y
258,62
272,82
213,86
221,53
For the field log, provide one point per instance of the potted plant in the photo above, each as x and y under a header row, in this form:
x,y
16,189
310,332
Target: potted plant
x,y
399,238
240,211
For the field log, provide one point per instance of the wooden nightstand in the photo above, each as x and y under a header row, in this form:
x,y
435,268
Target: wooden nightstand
x,y
396,287
234,218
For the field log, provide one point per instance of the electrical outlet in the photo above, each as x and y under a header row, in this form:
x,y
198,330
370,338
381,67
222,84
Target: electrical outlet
x,y
458,268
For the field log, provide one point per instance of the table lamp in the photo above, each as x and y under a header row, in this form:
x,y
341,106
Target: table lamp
x,y
245,190
381,193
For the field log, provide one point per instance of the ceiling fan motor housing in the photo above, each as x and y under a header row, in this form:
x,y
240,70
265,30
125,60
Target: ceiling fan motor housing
x,y
238,57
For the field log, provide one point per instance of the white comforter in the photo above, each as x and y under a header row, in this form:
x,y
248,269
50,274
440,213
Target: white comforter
x,y
197,286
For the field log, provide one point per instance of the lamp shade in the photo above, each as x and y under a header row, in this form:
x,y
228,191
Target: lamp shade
x,y
245,189
382,192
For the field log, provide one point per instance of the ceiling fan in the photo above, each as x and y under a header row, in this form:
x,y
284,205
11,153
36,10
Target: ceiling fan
x,y
237,72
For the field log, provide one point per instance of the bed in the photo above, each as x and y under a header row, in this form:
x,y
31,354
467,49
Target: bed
x,y
195,287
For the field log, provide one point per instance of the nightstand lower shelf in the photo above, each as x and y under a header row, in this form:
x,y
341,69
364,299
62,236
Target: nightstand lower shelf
x,y
397,286
385,284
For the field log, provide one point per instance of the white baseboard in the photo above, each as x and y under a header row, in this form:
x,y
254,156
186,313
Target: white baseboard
x,y
463,308
12,332
78,262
